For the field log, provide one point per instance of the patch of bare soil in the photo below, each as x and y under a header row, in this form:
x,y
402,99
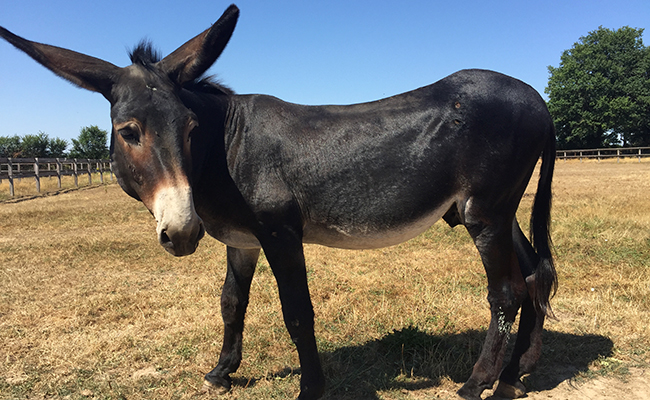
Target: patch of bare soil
x,y
635,386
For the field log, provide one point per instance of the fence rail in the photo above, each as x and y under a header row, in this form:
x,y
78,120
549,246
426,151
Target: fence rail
x,y
600,154
37,168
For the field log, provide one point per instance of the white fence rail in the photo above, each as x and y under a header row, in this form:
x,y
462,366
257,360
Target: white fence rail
x,y
37,168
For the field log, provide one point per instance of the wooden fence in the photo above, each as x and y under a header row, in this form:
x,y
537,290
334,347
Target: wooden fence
x,y
601,154
37,168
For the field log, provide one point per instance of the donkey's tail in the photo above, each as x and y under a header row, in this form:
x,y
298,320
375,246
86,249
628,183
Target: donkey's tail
x,y
540,235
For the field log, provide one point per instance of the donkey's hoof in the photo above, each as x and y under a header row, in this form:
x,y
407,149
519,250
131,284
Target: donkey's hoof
x,y
509,391
211,389
468,392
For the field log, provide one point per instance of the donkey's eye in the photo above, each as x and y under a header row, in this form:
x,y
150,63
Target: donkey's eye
x,y
131,136
192,124
192,128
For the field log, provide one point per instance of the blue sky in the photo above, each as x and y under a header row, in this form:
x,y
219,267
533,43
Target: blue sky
x,y
310,52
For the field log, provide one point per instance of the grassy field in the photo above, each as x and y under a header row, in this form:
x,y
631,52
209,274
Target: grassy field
x,y
92,307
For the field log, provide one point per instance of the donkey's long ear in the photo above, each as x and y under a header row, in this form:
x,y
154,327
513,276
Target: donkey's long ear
x,y
192,59
84,71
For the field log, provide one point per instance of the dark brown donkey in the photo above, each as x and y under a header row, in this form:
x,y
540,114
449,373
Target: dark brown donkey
x,y
258,173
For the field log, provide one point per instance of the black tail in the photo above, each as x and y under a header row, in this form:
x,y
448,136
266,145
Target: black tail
x,y
540,235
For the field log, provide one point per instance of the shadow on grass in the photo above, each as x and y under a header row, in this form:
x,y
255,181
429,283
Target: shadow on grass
x,y
410,359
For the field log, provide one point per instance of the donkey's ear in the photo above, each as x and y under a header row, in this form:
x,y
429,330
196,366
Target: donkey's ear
x,y
84,71
192,59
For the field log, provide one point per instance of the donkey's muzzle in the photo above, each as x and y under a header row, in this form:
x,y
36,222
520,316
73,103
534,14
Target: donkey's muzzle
x,y
181,243
179,227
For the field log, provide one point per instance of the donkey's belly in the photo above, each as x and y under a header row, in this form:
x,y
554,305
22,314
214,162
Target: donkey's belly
x,y
356,233
360,235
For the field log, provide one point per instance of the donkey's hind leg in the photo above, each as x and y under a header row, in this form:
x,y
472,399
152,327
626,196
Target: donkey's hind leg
x,y
525,354
506,291
529,337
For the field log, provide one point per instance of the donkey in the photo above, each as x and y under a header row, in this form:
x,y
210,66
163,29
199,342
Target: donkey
x,y
255,172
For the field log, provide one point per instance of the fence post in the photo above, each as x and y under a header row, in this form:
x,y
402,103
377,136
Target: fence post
x,y
74,169
58,172
639,155
580,156
10,172
618,155
90,179
100,166
37,176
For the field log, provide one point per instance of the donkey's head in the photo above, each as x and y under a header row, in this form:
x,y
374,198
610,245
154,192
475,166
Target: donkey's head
x,y
151,136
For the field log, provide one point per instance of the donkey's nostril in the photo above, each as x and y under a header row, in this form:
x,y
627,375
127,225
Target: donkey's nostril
x,y
164,238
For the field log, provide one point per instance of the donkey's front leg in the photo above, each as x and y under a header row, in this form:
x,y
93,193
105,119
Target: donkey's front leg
x,y
234,300
284,252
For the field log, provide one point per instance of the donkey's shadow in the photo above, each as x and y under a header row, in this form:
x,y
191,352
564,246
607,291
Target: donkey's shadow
x,y
411,359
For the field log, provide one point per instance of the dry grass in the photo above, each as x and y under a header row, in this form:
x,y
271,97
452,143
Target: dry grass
x,y
92,307
26,187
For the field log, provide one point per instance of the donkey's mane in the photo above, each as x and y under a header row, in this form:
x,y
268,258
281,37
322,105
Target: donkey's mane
x,y
146,55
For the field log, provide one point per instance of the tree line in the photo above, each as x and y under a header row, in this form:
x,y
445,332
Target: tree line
x,y
91,143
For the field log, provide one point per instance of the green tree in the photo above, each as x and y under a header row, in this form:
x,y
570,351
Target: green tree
x,y
10,146
57,147
35,145
91,143
599,96
39,145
